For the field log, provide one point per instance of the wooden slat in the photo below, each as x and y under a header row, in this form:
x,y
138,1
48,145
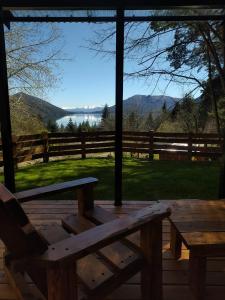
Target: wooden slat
x,y
103,235
54,188
117,254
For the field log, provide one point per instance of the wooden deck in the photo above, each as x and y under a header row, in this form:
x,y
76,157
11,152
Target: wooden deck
x,y
175,274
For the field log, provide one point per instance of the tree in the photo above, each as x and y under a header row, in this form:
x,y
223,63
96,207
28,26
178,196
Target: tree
x,y
149,122
188,115
33,52
62,128
132,121
175,111
105,113
70,127
188,53
164,108
52,126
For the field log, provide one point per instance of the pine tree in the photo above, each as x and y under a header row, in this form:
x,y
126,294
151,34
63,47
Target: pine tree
x,y
52,126
70,126
149,123
175,111
105,113
62,128
164,107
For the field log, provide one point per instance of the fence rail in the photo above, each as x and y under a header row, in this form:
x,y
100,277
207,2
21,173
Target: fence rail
x,y
167,145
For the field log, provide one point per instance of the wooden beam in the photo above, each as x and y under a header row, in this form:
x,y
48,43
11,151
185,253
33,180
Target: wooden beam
x,y
119,106
6,130
73,19
111,4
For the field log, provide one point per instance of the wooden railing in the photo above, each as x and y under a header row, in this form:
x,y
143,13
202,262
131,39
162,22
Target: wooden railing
x,y
168,145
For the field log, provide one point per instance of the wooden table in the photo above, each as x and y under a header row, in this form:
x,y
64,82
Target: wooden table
x,y
200,225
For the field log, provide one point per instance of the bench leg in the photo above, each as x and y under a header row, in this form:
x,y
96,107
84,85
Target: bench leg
x,y
175,243
197,275
62,282
151,274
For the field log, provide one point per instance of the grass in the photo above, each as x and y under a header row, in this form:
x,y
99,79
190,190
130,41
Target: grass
x,y
142,180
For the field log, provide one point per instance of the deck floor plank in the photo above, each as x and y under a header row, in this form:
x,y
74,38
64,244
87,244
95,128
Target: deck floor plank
x,y
175,273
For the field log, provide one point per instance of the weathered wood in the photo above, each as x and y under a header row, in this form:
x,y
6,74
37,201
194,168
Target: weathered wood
x,y
19,236
197,226
175,243
117,255
175,273
20,286
45,148
92,240
151,274
54,188
31,147
197,275
83,153
85,197
62,282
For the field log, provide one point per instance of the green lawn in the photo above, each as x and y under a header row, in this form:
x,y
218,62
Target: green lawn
x,y
142,180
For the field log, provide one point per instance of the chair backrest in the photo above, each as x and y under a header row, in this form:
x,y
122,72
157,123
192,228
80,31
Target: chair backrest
x,y
16,231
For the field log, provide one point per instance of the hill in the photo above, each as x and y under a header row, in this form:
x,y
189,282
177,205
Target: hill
x,y
144,104
30,114
22,120
41,108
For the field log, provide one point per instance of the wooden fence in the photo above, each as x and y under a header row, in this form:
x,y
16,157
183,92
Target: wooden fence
x,y
168,146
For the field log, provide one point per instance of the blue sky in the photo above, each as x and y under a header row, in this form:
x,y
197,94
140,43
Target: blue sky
x,y
89,79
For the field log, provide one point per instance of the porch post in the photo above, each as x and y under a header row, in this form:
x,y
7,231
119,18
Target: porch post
x,y
119,106
5,114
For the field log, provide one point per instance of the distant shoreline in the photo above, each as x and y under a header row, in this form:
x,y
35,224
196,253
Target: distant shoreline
x,y
83,112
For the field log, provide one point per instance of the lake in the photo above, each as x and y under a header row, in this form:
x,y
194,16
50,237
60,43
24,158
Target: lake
x,y
80,118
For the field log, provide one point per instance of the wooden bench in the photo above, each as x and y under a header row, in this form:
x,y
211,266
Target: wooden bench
x,y
87,257
201,227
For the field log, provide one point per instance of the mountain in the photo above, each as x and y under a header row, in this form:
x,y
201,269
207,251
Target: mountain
x,y
40,108
143,104
30,114
85,110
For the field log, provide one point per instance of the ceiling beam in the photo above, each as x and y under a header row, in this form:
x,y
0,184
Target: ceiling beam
x,y
9,18
109,4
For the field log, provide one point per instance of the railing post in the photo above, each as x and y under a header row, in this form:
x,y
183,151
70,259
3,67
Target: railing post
x,y
14,150
83,152
190,146
151,145
45,147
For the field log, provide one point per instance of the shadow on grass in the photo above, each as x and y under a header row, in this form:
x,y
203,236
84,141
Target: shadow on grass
x,y
142,180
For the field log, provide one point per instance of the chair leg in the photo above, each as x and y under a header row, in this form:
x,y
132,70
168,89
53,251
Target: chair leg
x,y
62,282
197,275
175,243
151,274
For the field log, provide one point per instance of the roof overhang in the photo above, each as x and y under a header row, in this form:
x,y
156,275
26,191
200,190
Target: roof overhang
x,y
109,4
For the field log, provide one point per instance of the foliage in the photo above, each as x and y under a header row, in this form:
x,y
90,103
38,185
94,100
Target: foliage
x,y
105,113
52,126
33,53
71,127
22,120
188,115
190,54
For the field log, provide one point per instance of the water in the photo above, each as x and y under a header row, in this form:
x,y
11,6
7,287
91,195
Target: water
x,y
80,118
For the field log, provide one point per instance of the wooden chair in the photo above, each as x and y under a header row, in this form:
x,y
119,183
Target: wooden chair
x,y
58,259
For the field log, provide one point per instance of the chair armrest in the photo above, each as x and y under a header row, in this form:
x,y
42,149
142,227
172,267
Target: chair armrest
x,y
90,241
55,188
